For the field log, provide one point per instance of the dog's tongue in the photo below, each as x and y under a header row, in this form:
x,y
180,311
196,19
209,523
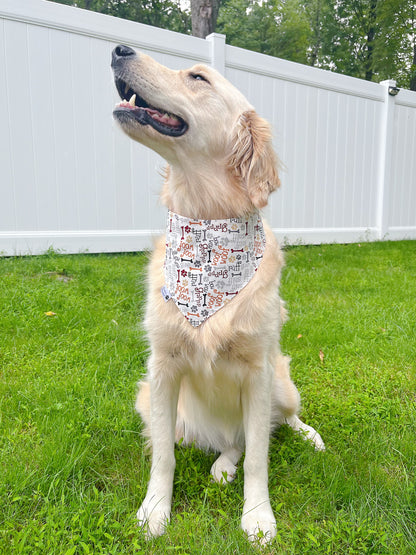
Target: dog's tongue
x,y
166,119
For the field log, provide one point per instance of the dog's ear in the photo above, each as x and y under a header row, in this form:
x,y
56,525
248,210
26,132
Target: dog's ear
x,y
253,159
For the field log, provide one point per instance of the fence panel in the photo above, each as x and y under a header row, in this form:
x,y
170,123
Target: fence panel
x,y
402,194
325,135
69,179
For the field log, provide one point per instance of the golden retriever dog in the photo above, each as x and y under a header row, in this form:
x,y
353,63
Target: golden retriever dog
x,y
215,375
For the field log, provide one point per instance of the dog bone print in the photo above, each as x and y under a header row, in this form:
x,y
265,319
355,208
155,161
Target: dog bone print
x,y
208,262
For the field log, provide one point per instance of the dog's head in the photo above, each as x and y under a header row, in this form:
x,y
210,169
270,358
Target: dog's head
x,y
194,114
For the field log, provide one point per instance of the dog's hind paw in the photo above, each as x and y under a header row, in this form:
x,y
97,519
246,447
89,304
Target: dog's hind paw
x,y
307,432
317,441
225,467
153,520
311,435
223,470
259,524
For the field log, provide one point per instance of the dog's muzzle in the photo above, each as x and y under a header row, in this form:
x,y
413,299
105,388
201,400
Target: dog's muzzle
x,y
133,107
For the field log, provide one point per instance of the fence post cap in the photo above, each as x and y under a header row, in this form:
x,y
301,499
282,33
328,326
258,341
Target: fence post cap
x,y
218,36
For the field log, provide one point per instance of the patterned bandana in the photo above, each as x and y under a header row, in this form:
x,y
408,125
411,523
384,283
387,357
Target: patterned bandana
x,y
208,262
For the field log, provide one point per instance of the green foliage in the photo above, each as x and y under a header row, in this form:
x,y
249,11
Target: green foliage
x,y
167,14
395,52
73,464
372,39
272,27
369,39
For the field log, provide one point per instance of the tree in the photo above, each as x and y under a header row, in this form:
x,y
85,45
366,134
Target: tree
x,y
291,34
324,32
397,52
370,39
204,15
354,31
274,27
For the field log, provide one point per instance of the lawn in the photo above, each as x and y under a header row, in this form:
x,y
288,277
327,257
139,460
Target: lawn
x,y
72,464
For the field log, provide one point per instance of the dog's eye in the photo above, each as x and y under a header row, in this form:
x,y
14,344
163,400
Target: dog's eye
x,y
198,77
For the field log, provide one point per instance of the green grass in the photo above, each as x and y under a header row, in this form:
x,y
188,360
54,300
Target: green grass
x,y
72,465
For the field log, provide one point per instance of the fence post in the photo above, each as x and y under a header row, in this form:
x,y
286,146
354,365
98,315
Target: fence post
x,y
386,144
217,51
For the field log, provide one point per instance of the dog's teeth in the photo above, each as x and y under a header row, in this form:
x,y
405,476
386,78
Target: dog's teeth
x,y
170,118
132,100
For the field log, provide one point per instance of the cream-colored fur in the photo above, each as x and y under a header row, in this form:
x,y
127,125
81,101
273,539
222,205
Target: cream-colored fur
x,y
225,384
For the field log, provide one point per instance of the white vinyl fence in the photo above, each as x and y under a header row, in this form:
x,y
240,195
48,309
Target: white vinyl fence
x,y
69,179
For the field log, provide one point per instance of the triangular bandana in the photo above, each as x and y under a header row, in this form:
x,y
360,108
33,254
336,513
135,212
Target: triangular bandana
x,y
208,262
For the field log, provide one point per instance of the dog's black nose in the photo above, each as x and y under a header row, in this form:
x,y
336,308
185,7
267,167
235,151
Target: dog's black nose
x,y
122,51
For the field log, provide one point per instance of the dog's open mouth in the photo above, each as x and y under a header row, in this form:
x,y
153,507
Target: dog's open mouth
x,y
133,106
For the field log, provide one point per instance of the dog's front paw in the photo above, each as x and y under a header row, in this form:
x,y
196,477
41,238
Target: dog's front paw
x,y
259,523
153,518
